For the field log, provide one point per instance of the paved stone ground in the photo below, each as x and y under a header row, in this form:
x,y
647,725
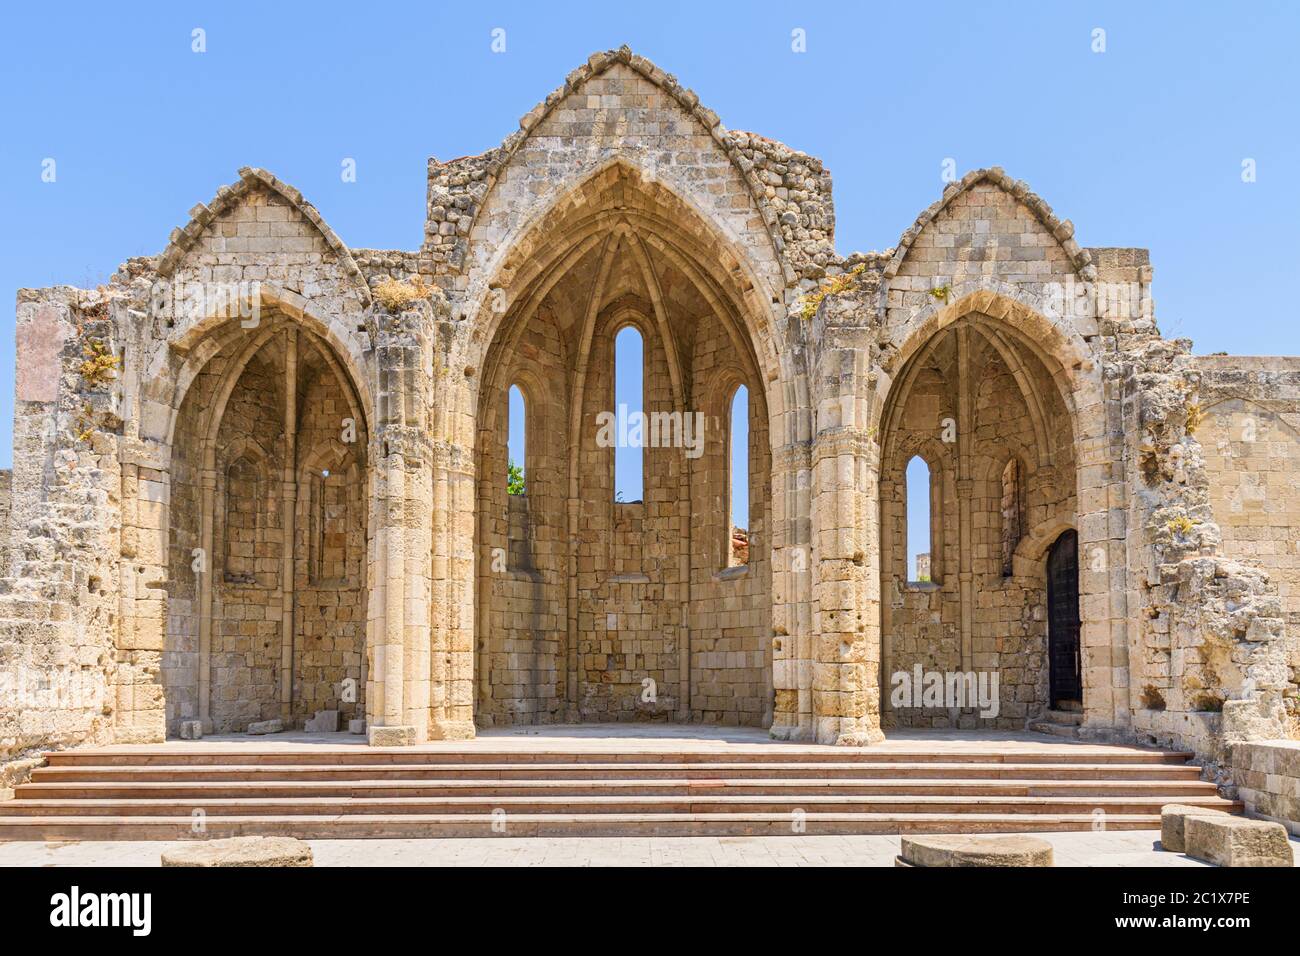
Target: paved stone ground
x,y
1132,848
640,738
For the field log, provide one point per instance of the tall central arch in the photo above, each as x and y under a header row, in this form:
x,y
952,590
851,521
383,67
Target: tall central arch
x,y
590,608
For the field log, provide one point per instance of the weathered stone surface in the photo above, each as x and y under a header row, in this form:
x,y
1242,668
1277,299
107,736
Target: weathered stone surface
x,y
1173,817
40,339
357,726
325,722
256,851
261,475
1267,776
975,851
15,772
260,727
1237,841
192,729
391,736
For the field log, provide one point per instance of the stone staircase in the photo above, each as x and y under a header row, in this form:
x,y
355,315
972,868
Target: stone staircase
x,y
332,791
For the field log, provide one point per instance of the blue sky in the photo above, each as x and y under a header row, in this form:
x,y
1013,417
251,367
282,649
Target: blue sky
x,y
1140,145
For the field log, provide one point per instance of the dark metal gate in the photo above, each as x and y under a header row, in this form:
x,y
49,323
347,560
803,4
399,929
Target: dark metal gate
x,y
1063,620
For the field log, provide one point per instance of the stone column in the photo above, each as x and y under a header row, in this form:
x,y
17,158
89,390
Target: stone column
x,y
791,593
208,491
965,489
845,515
399,665
289,504
451,611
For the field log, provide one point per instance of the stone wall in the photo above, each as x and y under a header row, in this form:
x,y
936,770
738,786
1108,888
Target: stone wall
x,y
1250,438
1212,661
1267,779
59,598
151,426
6,495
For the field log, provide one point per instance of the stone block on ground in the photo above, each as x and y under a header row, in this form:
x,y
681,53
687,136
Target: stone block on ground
x,y
357,726
926,850
191,729
401,736
325,722
240,851
1237,841
259,727
1173,817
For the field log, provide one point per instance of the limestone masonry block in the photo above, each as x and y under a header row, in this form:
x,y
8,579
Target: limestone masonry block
x,y
1173,818
1236,841
391,736
325,722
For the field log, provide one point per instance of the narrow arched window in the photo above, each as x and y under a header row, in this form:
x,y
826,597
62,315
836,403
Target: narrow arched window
x,y
738,492
516,435
1013,510
919,505
629,415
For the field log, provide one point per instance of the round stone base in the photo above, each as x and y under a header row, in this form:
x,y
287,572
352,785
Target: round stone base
x,y
241,851
975,851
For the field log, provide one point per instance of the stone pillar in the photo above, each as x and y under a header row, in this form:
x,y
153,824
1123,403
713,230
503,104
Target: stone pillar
x,y
965,489
208,486
142,574
399,698
845,516
451,612
792,717
289,503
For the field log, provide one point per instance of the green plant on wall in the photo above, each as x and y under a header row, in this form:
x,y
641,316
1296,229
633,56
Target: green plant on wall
x,y
100,364
809,304
515,479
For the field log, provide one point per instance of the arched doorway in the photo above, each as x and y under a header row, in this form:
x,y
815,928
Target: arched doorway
x,y
267,534
981,407
596,603
1066,683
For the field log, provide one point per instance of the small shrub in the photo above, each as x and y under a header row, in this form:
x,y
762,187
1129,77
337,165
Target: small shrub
x,y
397,296
100,365
810,303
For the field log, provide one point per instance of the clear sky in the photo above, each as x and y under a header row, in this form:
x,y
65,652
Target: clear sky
x,y
1142,144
